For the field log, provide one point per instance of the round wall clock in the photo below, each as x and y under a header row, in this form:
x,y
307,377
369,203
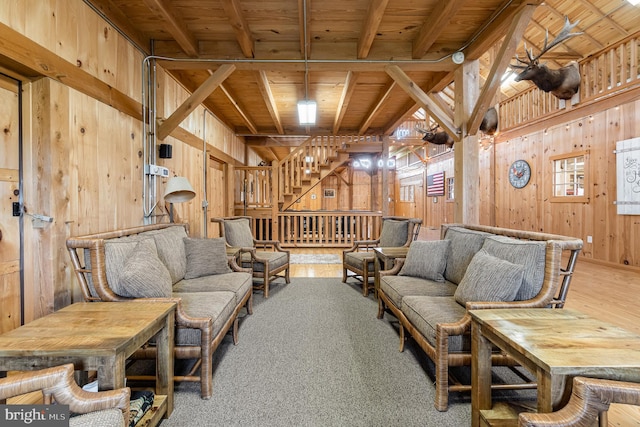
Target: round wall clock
x,y
519,173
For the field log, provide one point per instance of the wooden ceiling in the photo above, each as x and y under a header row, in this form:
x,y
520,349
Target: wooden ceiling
x,y
343,50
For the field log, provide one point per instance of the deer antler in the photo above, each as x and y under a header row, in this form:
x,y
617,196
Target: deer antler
x,y
563,35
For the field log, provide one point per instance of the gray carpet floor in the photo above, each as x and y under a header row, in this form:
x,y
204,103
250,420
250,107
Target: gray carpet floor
x,y
314,354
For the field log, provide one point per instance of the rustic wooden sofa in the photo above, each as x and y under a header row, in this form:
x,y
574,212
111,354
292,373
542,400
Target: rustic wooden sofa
x,y
472,267
160,261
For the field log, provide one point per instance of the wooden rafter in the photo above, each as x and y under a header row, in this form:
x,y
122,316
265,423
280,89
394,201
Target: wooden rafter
x,y
500,64
269,100
596,11
305,37
174,25
370,26
384,95
240,27
541,27
245,116
434,25
577,28
345,98
196,98
422,99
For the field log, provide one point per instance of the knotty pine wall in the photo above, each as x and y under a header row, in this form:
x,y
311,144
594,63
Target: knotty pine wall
x,y
83,162
616,238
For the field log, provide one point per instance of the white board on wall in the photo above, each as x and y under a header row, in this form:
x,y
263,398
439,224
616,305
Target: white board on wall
x,y
628,176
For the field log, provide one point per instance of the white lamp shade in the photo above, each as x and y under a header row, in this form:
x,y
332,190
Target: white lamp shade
x,y
307,112
179,190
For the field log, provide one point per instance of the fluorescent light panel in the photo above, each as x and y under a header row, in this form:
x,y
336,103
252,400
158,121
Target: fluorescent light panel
x,y
307,112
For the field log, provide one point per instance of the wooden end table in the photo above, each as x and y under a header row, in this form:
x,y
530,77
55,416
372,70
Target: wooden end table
x,y
384,259
96,336
554,344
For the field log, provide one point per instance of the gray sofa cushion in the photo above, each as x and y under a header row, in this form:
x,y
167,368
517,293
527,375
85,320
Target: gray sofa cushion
x,y
398,287
357,259
394,233
238,232
527,253
116,252
426,312
276,260
237,282
489,279
426,259
171,249
143,275
464,245
205,257
217,305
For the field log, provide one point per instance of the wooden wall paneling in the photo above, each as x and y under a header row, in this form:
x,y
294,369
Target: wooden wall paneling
x,y
89,30
10,316
486,187
66,29
42,28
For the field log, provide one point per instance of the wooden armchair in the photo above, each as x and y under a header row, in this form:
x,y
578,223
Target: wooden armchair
x,y
100,409
266,257
396,231
590,400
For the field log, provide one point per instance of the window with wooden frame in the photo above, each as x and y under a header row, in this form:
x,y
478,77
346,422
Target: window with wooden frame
x,y
570,177
450,188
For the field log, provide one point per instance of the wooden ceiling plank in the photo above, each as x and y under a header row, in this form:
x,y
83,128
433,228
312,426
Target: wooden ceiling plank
x,y
345,98
196,98
544,30
500,64
175,26
370,26
240,27
304,23
376,108
245,116
598,12
584,34
122,22
437,22
269,99
496,30
422,99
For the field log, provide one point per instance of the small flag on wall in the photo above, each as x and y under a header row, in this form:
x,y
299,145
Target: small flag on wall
x,y
435,184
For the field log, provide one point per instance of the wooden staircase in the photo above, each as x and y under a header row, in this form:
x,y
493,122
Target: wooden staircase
x,y
314,160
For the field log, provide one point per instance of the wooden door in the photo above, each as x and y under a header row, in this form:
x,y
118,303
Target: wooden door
x,y
10,292
216,195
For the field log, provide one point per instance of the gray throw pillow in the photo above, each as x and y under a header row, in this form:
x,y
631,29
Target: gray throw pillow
x,y
116,253
465,243
489,279
143,274
394,233
426,259
238,232
205,257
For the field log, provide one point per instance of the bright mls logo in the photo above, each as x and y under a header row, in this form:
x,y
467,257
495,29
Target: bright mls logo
x,y
34,415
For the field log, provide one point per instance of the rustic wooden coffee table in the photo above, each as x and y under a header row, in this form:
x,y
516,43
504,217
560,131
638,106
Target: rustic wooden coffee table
x,y
96,336
555,345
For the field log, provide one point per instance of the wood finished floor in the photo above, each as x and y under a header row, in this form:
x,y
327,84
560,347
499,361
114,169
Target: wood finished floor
x,y
607,293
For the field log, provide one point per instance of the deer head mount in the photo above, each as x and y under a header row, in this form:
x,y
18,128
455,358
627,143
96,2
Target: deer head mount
x,y
563,82
438,138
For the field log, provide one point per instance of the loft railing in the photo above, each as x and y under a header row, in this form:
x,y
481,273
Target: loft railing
x,y
253,188
615,68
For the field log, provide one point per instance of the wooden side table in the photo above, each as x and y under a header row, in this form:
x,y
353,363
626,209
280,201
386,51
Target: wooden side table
x,y
384,259
97,336
555,345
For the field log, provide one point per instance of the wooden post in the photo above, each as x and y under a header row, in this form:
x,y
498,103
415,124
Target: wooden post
x,y
385,176
466,151
275,200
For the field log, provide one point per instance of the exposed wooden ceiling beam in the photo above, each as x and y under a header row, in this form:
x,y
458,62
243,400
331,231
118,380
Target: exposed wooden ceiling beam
x,y
370,26
434,25
175,25
500,64
384,95
496,30
269,100
423,100
196,98
544,30
240,26
596,11
245,116
345,98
